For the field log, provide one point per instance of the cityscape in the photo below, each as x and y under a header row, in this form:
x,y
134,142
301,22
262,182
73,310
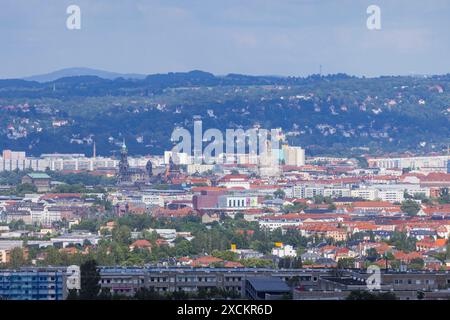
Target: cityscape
x,y
161,226
310,162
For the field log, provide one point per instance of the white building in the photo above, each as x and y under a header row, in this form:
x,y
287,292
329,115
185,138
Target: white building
x,y
304,192
275,222
365,193
153,200
434,163
284,251
238,202
294,156
199,168
390,193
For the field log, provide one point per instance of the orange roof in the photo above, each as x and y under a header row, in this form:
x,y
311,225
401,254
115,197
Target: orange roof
x,y
61,195
173,213
232,264
431,243
385,177
71,250
141,244
230,177
206,260
199,189
400,255
373,204
436,176
288,216
262,186
320,227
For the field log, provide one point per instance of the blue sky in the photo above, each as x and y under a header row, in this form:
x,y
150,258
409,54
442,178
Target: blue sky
x,y
276,37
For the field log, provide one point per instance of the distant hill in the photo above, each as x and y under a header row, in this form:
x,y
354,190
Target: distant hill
x,y
331,115
74,72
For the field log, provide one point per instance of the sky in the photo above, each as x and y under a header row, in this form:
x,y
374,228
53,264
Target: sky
x,y
259,37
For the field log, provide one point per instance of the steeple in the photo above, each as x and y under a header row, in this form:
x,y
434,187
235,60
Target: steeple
x,y
124,173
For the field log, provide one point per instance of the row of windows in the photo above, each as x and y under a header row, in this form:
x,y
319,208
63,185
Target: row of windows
x,y
236,203
167,279
196,279
410,281
233,279
11,287
24,278
22,296
132,281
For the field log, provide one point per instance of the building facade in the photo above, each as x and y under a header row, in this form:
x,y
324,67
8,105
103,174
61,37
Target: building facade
x,y
33,284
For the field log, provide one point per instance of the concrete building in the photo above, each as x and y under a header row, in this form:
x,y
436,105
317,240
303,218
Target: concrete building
x,y
6,246
426,163
198,168
293,156
238,202
266,288
75,238
404,285
310,191
17,160
33,284
127,280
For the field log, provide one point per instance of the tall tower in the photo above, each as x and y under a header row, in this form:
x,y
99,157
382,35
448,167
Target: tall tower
x,y
268,162
124,172
149,169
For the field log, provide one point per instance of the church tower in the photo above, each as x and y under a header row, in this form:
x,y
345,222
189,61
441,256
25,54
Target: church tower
x,y
124,168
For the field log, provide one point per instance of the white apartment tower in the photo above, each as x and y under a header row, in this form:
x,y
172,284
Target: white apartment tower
x,y
294,156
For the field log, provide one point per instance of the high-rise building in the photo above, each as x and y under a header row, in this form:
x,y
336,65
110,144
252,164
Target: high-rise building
x,y
34,284
294,156
13,155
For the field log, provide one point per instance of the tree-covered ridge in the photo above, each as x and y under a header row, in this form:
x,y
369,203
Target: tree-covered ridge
x,y
328,114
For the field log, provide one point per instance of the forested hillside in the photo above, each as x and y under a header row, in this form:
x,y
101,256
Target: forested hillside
x,y
335,114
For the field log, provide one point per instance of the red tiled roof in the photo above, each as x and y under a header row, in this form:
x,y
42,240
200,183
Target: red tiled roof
x,y
61,195
199,189
373,204
205,261
141,244
436,176
233,264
